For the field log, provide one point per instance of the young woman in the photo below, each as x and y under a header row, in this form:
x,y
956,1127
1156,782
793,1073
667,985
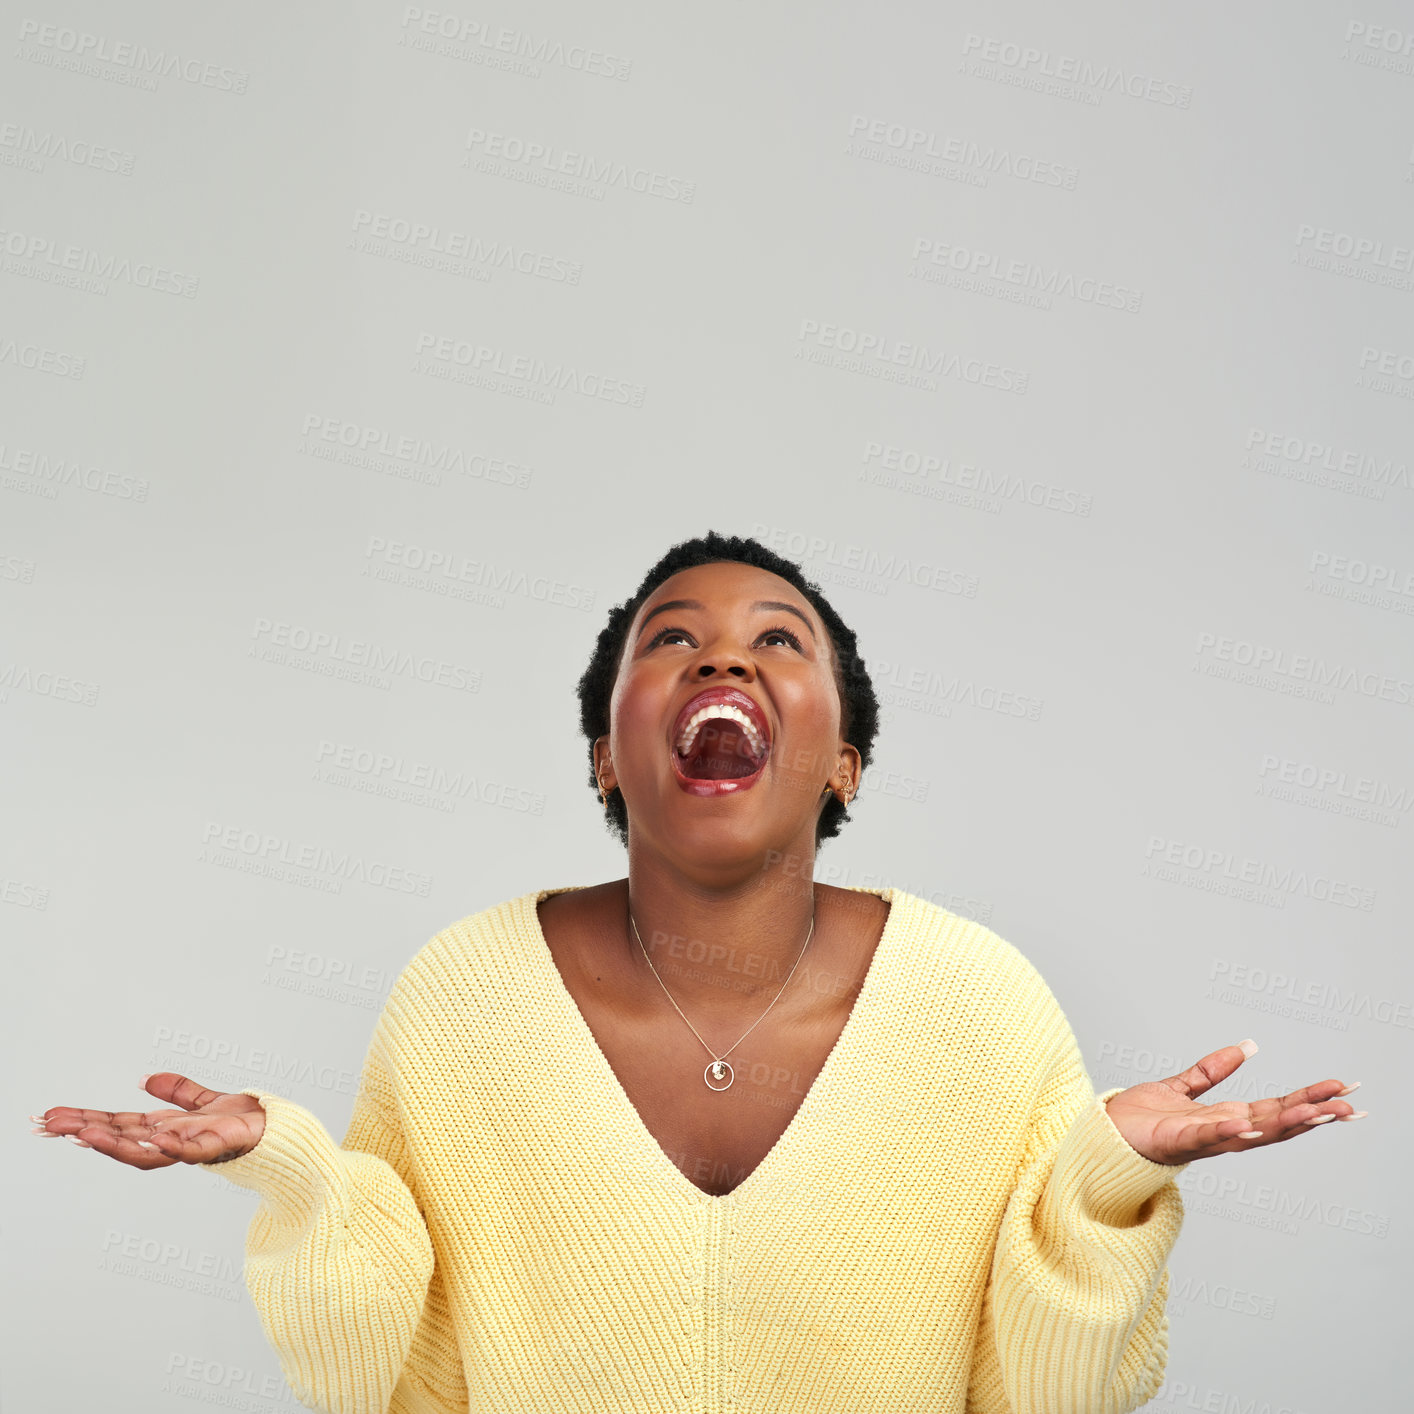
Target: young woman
x,y
714,1137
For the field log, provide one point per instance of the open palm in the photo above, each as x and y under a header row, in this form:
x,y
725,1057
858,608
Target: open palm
x,y
209,1127
1161,1120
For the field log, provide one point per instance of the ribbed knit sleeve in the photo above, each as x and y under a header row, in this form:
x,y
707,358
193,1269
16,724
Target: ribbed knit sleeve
x,y
339,1261
1073,1318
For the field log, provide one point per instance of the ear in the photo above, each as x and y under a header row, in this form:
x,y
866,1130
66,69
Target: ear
x,y
603,766
850,771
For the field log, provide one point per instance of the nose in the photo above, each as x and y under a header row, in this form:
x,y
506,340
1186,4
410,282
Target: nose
x,y
725,657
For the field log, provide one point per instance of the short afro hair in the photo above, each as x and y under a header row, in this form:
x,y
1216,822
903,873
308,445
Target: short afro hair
x,y
859,715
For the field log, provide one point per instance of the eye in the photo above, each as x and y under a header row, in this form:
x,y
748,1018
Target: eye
x,y
663,635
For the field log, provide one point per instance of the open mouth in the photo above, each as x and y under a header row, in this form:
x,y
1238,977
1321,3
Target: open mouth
x,y
720,749
722,735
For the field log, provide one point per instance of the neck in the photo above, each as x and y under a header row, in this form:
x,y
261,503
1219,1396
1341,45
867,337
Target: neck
x,y
721,950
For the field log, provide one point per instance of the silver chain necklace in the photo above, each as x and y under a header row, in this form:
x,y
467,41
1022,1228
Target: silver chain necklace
x,y
718,1066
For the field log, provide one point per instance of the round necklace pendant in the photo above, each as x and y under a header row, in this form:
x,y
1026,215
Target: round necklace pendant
x,y
716,1071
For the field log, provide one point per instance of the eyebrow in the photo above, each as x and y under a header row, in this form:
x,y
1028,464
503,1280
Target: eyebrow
x,y
697,604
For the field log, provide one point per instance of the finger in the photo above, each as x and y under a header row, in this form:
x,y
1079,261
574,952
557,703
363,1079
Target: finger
x,y
126,1149
1314,1094
178,1090
1222,1136
1211,1069
1278,1121
1292,1119
64,1119
1268,1122
132,1140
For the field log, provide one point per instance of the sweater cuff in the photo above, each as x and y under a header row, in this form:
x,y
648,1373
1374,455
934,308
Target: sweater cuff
x,y
292,1164
1113,1179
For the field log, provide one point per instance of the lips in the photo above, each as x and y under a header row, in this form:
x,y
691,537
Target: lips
x,y
721,696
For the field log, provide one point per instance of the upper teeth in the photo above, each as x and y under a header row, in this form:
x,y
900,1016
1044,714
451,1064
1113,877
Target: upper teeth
x,y
720,709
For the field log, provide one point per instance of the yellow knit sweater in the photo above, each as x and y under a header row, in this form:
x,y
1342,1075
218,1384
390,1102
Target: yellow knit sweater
x,y
951,1221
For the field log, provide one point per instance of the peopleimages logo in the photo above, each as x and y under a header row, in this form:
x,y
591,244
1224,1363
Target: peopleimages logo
x,y
42,257
1396,579
1379,46
41,359
1301,674
23,146
888,465
234,1063
1069,69
437,248
942,258
214,1382
885,566
1387,371
355,443
1335,791
297,645
898,360
452,357
1225,867
64,471
21,677
1390,257
440,32
922,149
259,852
546,160
63,48
417,782
1289,993
1300,458
24,895
1353,256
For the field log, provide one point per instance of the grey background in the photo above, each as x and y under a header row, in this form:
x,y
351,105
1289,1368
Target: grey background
x,y
1077,749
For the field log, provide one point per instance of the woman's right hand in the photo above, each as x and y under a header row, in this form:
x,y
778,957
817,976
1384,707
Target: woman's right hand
x,y
209,1128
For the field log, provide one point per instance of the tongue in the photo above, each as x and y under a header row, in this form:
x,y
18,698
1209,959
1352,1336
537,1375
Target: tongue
x,y
721,752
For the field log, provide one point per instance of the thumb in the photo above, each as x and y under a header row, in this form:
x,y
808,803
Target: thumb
x,y
178,1090
1213,1068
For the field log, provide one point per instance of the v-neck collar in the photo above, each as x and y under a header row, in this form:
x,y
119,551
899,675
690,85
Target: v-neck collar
x,y
597,1063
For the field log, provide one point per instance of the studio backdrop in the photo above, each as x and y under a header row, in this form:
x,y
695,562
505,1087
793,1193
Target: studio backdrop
x,y
356,360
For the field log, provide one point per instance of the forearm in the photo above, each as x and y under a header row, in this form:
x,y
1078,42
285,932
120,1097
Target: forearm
x,y
1074,1320
338,1261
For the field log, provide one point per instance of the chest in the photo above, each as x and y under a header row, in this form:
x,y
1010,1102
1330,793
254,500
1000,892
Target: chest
x,y
715,1137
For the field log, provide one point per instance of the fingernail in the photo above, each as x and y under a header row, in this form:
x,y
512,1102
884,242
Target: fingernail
x,y
143,1144
1250,1134
1340,1094
46,1134
39,1119
1320,1119
143,1079
74,1139
1359,1114
1248,1047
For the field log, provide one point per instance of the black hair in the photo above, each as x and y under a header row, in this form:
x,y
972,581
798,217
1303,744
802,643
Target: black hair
x,y
859,708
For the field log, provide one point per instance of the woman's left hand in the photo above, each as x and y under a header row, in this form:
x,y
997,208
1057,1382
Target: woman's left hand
x,y
1161,1120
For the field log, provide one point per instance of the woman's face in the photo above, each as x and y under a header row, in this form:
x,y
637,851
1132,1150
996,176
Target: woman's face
x,y
748,630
